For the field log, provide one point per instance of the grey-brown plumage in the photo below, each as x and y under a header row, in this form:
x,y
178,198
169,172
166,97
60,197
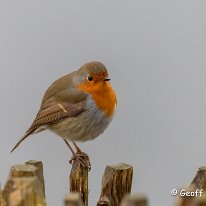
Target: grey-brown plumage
x,y
71,112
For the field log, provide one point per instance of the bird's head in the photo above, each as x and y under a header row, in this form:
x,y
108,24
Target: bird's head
x,y
93,78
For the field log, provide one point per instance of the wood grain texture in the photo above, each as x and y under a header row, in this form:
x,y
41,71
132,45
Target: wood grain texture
x,y
73,199
26,191
199,182
22,178
79,179
39,172
116,183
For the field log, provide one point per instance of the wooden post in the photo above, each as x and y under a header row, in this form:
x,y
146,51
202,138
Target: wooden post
x,y
116,182
201,201
79,179
39,172
2,201
26,191
199,182
135,200
73,199
21,177
185,200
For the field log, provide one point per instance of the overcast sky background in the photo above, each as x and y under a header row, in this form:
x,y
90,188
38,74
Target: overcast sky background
x,y
155,54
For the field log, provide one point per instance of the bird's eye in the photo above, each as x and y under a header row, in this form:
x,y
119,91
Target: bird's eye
x,y
90,78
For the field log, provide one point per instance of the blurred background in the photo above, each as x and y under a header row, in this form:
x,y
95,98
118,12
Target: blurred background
x,y
155,54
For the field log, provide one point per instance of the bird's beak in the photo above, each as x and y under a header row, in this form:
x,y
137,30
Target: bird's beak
x,y
106,79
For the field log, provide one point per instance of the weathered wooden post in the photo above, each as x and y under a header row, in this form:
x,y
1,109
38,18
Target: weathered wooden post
x,y
116,183
2,201
134,200
79,179
25,186
201,201
185,200
39,172
199,182
73,199
25,191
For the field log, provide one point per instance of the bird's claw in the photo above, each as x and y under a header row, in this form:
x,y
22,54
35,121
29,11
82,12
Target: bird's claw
x,y
83,159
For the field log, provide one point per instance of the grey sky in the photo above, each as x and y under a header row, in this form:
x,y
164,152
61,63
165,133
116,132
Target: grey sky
x,y
155,54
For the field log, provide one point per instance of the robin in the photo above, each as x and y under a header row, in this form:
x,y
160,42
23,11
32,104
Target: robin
x,y
78,107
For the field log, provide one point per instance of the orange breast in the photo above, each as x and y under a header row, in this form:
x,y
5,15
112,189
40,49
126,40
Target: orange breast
x,y
103,95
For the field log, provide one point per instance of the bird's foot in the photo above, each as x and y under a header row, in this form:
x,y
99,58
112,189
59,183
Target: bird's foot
x,y
83,158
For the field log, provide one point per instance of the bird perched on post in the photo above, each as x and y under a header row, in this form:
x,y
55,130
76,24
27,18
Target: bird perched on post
x,y
77,107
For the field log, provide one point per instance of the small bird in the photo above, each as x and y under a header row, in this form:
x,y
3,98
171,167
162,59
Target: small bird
x,y
78,107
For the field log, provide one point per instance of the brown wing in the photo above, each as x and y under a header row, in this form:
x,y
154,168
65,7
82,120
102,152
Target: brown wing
x,y
51,115
56,113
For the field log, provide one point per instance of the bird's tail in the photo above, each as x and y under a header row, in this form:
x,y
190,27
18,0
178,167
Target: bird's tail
x,y
22,139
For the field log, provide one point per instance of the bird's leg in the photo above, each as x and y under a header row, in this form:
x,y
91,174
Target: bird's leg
x,y
78,156
77,147
68,145
80,153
